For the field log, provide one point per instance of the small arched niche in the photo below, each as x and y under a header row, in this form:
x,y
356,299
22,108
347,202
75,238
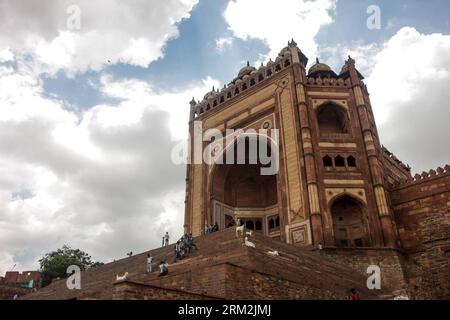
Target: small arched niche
x,y
332,119
348,222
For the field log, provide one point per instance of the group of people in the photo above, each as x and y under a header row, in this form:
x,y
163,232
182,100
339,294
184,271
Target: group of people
x,y
211,228
184,246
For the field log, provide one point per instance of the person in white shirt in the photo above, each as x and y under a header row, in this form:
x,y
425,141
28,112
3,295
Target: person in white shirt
x,y
166,239
149,263
163,268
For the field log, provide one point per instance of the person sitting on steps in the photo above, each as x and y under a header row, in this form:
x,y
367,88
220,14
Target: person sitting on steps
x,y
191,242
163,268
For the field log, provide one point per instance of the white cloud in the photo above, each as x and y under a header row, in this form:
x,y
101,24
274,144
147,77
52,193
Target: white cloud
x,y
119,31
409,93
407,78
277,22
363,53
102,181
6,55
224,43
139,95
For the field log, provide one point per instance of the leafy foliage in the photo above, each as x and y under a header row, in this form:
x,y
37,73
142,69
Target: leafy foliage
x,y
54,264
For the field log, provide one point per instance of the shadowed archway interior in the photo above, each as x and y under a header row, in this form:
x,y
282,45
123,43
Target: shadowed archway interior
x,y
241,191
348,222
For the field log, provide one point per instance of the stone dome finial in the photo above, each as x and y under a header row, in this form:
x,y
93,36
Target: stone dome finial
x,y
321,69
246,70
350,64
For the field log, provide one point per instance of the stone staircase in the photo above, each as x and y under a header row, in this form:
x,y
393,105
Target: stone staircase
x,y
223,267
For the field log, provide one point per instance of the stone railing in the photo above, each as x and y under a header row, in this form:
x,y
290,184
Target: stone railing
x,y
240,85
425,176
336,82
394,160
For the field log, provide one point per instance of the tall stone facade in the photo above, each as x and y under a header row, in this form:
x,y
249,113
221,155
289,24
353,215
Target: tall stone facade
x,y
336,185
330,187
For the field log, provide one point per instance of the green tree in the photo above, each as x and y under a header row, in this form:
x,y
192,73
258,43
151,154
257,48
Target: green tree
x,y
54,264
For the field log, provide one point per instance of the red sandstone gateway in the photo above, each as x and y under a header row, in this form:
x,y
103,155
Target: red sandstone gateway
x,y
339,204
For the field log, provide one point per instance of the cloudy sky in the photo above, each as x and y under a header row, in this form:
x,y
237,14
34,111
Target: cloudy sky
x,y
91,108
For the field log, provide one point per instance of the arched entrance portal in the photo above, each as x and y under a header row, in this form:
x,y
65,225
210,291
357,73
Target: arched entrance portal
x,y
241,191
348,223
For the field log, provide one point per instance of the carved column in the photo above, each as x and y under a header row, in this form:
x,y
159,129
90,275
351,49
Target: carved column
x,y
375,166
308,153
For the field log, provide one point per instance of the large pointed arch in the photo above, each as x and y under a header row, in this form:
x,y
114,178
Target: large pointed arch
x,y
349,216
241,190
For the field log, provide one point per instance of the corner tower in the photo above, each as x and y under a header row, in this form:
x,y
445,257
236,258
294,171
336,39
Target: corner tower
x,y
330,185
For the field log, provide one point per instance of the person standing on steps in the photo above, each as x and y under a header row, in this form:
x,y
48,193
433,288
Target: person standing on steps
x,y
353,295
166,239
149,263
320,249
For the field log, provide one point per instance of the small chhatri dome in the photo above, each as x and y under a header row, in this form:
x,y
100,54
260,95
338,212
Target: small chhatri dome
x,y
345,71
211,94
246,70
319,67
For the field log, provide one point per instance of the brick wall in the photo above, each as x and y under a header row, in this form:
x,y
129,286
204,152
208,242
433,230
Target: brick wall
x,y
129,290
422,212
390,262
8,292
208,281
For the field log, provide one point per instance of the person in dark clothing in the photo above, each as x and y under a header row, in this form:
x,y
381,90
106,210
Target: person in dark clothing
x,y
353,295
191,242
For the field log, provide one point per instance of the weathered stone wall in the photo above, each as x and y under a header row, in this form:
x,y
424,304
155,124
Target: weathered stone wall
x,y
422,211
8,292
256,285
390,262
129,290
208,281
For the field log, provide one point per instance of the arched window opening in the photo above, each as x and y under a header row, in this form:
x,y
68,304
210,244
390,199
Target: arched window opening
x,y
332,119
250,225
327,161
351,161
258,225
339,161
271,223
